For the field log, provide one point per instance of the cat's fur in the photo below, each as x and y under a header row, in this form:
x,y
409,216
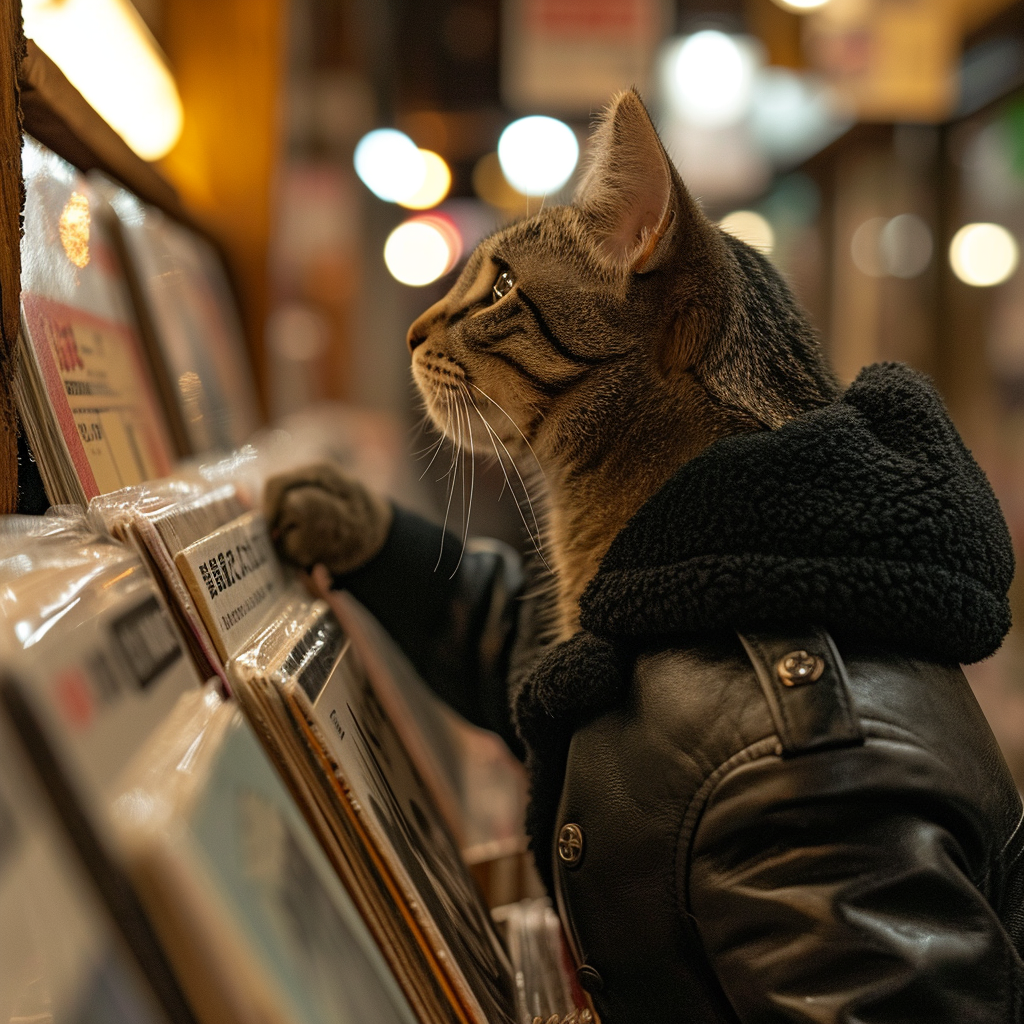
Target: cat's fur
x,y
635,334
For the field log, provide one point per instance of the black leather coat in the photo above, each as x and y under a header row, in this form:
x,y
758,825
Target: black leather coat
x,y
766,826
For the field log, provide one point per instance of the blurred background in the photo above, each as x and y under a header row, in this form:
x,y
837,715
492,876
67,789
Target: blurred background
x,y
348,155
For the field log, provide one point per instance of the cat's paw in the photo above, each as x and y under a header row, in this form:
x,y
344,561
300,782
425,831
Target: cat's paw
x,y
318,515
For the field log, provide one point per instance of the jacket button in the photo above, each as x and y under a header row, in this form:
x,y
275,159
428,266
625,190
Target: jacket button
x,y
570,845
799,667
589,978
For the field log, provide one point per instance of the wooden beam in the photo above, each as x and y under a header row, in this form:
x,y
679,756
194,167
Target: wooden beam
x,y
12,196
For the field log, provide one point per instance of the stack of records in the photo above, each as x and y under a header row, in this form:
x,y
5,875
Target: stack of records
x,y
188,318
84,383
159,521
228,906
91,668
307,693
544,967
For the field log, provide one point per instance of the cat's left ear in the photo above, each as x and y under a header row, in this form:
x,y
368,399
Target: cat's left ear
x,y
630,191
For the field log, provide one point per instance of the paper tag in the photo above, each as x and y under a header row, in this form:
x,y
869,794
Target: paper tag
x,y
234,577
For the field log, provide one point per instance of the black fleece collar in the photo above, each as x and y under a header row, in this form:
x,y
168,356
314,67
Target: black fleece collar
x,y
868,517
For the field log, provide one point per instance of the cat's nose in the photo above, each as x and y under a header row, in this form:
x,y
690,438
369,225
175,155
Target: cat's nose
x,y
420,330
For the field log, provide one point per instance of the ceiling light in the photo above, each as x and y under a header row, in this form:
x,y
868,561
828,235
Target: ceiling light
x,y
983,255
109,56
437,180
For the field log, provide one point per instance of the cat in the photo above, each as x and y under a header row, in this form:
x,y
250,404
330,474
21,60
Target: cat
x,y
604,344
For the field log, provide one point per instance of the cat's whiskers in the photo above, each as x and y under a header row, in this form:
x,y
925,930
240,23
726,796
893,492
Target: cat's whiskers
x,y
526,440
463,394
440,441
452,473
533,533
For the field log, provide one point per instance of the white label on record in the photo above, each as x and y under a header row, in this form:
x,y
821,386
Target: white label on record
x,y
234,577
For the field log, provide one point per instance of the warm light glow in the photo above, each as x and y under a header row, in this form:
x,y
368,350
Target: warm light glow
x,y
801,6
711,78
436,182
422,249
983,254
538,154
74,229
752,228
108,55
389,164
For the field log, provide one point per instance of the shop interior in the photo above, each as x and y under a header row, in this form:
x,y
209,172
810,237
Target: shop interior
x,y
325,168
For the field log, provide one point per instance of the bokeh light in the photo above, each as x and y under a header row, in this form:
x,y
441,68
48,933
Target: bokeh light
x,y
906,246
538,154
109,56
750,227
437,180
983,255
389,164
801,6
73,227
711,78
866,247
899,246
422,249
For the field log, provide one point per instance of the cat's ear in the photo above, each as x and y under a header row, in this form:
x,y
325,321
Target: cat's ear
x,y
629,189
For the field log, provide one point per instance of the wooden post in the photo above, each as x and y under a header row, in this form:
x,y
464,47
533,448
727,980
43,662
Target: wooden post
x,y
228,60
12,47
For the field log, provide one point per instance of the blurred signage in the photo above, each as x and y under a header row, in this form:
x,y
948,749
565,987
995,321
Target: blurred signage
x,y
889,60
569,56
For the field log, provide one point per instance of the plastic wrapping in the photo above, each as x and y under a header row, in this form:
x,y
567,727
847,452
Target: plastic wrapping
x,y
85,634
307,693
368,445
158,520
545,989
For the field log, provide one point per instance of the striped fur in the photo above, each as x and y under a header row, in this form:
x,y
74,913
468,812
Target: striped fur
x,y
636,334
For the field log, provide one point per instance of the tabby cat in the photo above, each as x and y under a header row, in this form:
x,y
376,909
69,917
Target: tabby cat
x,y
606,343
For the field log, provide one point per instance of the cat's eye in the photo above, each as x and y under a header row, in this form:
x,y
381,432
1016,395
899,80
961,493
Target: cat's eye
x,y
504,284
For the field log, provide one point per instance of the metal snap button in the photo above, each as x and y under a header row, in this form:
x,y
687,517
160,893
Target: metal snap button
x,y
799,667
570,845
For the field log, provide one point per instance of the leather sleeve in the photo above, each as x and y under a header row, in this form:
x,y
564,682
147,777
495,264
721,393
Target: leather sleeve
x,y
453,612
824,890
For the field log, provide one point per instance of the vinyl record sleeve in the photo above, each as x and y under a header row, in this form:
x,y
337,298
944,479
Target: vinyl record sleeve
x,y
255,918
332,704
235,579
61,958
84,385
294,634
85,632
187,305
159,520
91,667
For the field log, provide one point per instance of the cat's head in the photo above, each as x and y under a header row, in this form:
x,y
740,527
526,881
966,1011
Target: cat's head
x,y
625,313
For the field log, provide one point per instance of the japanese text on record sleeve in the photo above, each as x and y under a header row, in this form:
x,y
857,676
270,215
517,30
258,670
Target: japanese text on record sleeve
x,y
234,576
